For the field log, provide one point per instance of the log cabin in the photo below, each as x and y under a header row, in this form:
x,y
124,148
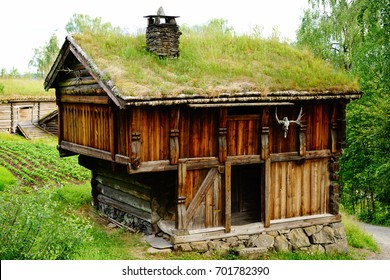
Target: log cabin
x,y
211,159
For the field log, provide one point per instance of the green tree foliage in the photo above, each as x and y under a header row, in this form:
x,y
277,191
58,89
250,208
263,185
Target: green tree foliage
x,y
354,35
80,23
44,56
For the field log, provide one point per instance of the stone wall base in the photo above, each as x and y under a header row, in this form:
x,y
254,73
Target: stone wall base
x,y
126,219
330,238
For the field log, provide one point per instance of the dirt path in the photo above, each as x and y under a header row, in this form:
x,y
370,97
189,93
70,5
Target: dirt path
x,y
382,237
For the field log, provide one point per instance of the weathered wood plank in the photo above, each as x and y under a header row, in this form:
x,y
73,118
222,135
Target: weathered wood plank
x,y
126,198
228,196
268,193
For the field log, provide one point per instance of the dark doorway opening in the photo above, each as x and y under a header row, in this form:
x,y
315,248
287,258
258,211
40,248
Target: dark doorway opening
x,y
246,194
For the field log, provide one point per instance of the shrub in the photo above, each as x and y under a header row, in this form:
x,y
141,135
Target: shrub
x,y
35,226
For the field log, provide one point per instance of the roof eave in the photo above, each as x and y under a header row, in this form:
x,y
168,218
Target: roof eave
x,y
243,97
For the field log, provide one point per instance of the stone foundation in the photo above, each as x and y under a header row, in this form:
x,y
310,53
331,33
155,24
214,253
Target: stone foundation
x,y
126,219
328,239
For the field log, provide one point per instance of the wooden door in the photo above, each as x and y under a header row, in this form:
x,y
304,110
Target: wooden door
x,y
200,197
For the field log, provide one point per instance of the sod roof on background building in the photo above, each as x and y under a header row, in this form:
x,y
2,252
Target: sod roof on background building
x,y
210,65
21,89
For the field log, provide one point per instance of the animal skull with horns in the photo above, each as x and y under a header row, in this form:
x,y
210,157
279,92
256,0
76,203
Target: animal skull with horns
x,y
285,122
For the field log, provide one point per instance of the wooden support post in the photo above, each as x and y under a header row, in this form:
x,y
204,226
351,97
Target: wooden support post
x,y
135,149
174,135
136,120
334,128
228,197
181,217
222,134
266,170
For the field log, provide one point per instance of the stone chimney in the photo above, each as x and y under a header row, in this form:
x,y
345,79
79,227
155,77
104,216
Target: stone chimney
x,y
162,35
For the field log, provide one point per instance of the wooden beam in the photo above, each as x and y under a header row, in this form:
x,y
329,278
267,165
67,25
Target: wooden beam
x,y
87,99
84,150
181,215
250,104
267,189
228,197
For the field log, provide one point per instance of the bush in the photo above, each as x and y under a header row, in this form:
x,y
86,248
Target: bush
x,y
1,88
35,226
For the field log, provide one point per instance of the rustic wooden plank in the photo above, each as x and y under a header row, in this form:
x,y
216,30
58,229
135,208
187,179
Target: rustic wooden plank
x,y
228,197
126,198
306,194
283,190
268,193
209,207
290,189
245,159
298,190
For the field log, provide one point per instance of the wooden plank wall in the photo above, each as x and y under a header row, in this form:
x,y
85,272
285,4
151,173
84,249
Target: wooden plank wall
x,y
198,133
299,189
87,125
243,135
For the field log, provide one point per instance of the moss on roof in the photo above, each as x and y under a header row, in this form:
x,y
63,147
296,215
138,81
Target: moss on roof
x,y
210,64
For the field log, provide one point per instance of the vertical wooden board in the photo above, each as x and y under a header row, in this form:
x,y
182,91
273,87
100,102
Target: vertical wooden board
x,y
256,138
326,123
194,133
298,190
306,193
322,188
309,127
276,179
319,131
314,187
290,190
217,202
204,127
209,211
268,193
283,190
231,138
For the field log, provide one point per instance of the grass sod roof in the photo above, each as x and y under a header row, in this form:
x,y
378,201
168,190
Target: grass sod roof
x,y
209,65
20,89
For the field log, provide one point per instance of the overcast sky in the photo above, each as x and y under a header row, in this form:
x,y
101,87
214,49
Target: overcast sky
x,y
28,24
